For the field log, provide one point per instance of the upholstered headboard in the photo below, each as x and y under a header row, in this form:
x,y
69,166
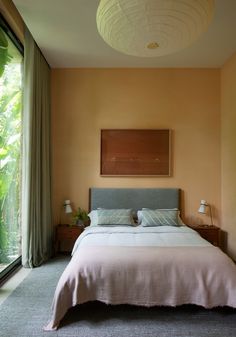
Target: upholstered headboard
x,y
135,198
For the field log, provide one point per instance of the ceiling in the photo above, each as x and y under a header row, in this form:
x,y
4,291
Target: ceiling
x,y
66,32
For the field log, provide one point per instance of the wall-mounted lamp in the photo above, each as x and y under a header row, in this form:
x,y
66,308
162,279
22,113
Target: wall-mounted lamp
x,y
203,209
67,207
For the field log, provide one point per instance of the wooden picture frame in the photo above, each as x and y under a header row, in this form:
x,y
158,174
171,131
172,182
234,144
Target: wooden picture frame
x,y
135,152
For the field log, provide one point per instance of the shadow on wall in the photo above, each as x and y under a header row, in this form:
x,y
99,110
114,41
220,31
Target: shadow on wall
x,y
223,240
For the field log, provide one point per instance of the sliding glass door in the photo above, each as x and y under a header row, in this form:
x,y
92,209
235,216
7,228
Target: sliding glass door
x,y
10,148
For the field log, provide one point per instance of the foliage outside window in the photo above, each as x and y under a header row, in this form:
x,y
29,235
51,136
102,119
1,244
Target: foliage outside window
x,y
10,149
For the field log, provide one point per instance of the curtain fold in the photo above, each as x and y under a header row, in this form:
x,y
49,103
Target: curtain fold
x,y
36,163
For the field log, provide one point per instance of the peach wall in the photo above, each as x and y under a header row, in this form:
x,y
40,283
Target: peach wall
x,y
186,101
228,141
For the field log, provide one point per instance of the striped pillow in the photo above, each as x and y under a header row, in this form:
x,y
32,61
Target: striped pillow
x,y
113,217
159,217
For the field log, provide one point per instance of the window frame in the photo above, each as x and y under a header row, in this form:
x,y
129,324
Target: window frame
x,y
5,273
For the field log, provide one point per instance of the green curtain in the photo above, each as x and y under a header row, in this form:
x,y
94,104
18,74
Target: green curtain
x,y
36,164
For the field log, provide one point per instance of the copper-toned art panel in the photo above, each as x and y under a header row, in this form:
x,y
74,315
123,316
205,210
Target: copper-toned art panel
x,y
135,152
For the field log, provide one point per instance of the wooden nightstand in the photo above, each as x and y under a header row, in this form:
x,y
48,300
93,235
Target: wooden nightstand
x,y
210,233
67,234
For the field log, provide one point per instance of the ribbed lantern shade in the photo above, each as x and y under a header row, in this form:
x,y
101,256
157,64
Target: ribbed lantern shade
x,y
151,28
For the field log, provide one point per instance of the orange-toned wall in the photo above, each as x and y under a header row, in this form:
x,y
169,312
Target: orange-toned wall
x,y
228,153
186,101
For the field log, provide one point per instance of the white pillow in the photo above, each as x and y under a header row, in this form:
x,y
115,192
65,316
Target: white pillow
x,y
93,215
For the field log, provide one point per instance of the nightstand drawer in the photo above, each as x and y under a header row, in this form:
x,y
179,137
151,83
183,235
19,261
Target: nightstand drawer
x,y
66,234
209,233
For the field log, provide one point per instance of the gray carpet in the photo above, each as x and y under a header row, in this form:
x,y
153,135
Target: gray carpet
x,y
27,309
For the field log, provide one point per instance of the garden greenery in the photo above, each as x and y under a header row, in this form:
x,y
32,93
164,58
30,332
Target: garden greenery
x,y
10,148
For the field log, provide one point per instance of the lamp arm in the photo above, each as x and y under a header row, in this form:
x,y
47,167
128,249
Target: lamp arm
x,y
211,214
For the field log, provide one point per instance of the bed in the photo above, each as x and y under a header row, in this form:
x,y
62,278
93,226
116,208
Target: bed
x,y
138,251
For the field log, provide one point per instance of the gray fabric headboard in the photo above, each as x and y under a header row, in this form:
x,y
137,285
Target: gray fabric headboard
x,y
135,198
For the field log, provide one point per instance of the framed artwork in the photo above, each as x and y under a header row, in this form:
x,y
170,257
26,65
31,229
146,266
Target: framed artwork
x,y
131,152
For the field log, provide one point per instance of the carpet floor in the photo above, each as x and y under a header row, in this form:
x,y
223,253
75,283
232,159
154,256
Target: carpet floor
x,y
27,309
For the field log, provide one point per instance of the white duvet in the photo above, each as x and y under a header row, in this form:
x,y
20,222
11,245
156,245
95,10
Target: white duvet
x,y
160,236
144,266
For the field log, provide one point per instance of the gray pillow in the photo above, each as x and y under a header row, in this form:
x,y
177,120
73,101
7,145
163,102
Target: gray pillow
x,y
159,217
113,217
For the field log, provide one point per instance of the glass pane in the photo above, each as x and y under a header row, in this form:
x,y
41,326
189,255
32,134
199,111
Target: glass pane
x,y
10,150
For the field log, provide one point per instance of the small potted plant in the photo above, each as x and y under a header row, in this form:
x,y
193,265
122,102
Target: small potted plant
x,y
81,217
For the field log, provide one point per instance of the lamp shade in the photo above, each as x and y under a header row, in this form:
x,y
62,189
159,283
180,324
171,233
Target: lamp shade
x,y
150,28
203,206
67,206
203,209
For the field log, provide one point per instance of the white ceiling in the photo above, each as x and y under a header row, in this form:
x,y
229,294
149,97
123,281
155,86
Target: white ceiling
x,y
66,32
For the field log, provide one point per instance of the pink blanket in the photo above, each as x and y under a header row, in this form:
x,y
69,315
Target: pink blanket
x,y
146,276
